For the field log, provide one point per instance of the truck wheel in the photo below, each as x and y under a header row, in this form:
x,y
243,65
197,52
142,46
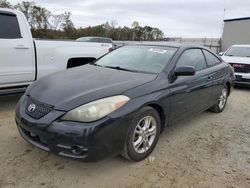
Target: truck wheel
x,y
143,135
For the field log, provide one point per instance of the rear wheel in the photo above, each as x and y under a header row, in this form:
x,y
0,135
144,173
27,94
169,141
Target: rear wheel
x,y
222,101
143,135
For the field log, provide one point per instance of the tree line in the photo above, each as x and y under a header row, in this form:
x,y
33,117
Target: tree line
x,y
46,25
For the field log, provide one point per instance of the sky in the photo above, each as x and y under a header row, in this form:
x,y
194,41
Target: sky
x,y
176,18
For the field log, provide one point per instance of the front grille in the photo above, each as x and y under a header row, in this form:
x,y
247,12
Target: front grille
x,y
37,109
243,68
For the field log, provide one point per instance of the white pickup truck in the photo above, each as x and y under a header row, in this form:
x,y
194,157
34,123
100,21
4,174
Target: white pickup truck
x,y
24,60
238,56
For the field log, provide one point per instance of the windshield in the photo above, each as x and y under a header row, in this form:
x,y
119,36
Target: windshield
x,y
239,52
151,59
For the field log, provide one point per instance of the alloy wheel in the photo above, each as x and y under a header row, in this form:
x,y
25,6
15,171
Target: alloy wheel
x,y
144,134
223,98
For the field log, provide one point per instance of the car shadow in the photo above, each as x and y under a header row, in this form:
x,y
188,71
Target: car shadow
x,y
9,101
244,88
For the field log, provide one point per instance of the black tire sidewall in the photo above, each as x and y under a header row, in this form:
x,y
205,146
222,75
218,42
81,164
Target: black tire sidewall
x,y
129,149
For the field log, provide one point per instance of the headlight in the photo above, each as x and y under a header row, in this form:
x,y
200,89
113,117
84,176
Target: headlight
x,y
96,110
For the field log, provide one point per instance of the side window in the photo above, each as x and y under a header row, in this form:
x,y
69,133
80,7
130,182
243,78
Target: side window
x,y
106,41
211,59
192,57
101,40
9,27
94,40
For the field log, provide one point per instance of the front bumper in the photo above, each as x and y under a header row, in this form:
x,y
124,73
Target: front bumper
x,y
85,141
242,78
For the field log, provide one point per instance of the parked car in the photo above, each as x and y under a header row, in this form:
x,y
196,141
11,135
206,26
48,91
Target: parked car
x,y
105,41
122,102
238,56
24,60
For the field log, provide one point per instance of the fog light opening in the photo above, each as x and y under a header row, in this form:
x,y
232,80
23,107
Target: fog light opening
x,y
77,150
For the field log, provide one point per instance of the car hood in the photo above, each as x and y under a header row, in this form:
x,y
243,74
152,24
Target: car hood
x,y
232,59
71,88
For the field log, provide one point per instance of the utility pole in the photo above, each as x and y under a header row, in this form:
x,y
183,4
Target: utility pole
x,y
223,18
222,29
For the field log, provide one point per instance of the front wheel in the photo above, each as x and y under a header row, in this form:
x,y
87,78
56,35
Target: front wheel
x,y
143,135
222,101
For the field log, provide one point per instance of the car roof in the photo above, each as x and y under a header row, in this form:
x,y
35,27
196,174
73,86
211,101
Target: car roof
x,y
96,37
241,45
8,11
168,44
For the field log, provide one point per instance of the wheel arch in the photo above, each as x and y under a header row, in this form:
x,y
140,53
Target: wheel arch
x,y
161,113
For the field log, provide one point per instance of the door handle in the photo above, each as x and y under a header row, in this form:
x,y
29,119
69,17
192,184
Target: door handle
x,y
21,46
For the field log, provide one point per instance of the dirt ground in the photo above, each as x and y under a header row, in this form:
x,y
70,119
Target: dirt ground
x,y
209,150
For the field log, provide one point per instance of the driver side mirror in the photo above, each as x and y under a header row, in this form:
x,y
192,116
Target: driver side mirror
x,y
184,71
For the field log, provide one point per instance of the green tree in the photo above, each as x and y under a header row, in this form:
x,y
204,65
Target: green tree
x,y
26,7
44,24
135,27
56,21
68,26
5,4
40,17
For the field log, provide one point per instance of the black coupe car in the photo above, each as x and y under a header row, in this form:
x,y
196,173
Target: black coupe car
x,y
122,102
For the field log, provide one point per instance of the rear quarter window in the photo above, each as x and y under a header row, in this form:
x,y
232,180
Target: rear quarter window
x,y
211,58
9,27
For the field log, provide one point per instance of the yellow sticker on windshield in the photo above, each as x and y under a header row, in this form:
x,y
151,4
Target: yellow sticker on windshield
x,y
157,50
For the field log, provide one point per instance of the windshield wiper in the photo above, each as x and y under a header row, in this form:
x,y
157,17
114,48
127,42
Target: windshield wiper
x,y
120,68
96,64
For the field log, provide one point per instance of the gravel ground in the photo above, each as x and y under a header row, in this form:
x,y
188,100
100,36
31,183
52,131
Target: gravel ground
x,y
209,150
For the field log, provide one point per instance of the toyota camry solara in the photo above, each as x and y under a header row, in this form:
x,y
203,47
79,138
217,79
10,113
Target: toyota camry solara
x,y
121,103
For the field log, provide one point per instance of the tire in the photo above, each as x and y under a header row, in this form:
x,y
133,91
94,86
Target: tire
x,y
222,101
141,138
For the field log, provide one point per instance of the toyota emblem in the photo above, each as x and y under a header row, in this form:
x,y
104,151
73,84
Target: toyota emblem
x,y
31,107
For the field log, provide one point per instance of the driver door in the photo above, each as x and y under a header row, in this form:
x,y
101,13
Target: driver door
x,y
16,52
190,94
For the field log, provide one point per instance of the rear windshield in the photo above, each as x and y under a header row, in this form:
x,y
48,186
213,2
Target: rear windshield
x,y
239,52
151,59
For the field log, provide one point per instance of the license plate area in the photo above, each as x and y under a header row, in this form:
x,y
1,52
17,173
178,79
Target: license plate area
x,y
238,77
